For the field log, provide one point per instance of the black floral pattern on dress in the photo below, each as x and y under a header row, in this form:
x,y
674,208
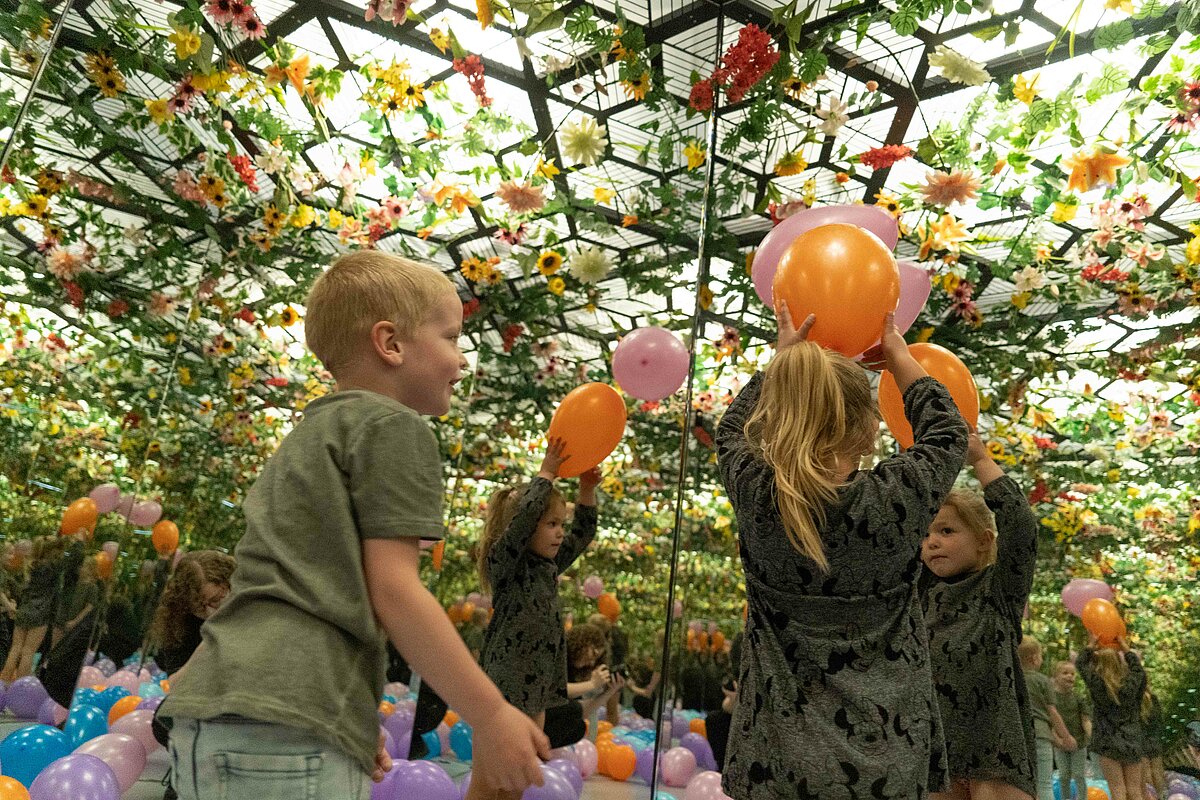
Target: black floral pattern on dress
x,y
974,629
1117,727
1152,730
524,647
835,694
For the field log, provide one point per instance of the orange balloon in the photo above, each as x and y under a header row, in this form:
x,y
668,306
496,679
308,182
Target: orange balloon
x,y
698,726
940,363
603,750
1096,793
591,421
386,708
604,738
166,686
718,642
13,789
622,761
847,277
603,727
451,719
99,687
104,566
468,611
1104,621
607,605
122,707
79,516
165,537
438,552
455,613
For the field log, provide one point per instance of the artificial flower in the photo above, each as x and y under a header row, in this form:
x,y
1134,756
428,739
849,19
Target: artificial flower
x,y
589,265
471,68
603,194
889,203
521,198
556,286
833,116
629,220
440,39
793,87
1025,89
186,41
945,189
160,111
957,68
884,157
549,262
1089,169
288,317
484,13
746,62
694,154
583,141
788,164
546,169
636,87
1029,279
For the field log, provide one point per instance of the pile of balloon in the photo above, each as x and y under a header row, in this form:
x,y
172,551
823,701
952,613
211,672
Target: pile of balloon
x,y
102,748
1182,787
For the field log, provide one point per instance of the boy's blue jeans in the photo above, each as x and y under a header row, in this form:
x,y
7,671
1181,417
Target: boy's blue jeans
x,y
233,758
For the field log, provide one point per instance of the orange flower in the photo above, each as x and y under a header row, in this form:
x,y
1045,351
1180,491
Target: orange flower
x,y
296,72
629,219
1100,166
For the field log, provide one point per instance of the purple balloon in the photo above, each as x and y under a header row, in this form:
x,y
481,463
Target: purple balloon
x,y
105,496
423,779
777,241
123,754
555,786
145,513
389,742
570,771
650,363
24,698
150,703
399,723
593,587
645,764
386,788
78,777
125,505
678,766
51,713
700,748
465,786
1077,593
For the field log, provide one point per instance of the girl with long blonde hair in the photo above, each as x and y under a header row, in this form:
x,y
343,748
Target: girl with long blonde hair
x,y
523,550
1116,681
835,696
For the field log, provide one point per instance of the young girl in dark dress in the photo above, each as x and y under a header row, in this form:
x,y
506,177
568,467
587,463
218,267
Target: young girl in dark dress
x,y
835,695
1116,681
196,589
974,592
36,608
523,551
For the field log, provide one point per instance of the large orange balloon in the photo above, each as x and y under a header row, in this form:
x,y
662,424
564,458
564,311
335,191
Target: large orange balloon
x,y
438,553
1104,621
591,421
1096,793
104,566
79,516
847,277
165,537
12,789
122,707
607,605
940,363
698,726
717,641
622,761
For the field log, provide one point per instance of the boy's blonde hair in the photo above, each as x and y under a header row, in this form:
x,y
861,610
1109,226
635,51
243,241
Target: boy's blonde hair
x,y
1028,650
502,507
364,288
972,510
815,406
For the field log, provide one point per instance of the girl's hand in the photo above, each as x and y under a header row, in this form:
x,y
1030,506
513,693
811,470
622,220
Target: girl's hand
x,y
590,479
892,343
977,451
788,333
554,459
600,677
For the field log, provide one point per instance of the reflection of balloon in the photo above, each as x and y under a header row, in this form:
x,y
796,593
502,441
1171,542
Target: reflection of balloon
x,y
25,697
705,786
943,365
85,723
425,780
591,421
555,786
678,766
112,548
586,755
125,505
622,761
650,363
593,587
777,241
80,516
165,537
51,713
11,789
145,513
105,496
847,278
79,777
138,725
569,770
1079,591
125,705
27,751
608,606
461,741
1096,793
1103,620
104,566
124,755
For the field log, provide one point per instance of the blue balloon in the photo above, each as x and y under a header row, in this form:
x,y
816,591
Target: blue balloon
x,y
461,741
85,697
432,743
149,689
84,724
390,698
27,751
108,698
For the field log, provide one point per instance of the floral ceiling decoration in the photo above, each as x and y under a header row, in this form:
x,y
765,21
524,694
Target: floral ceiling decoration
x,y
183,171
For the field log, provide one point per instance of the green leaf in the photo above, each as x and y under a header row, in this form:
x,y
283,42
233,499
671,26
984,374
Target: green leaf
x,y
905,22
1011,31
551,22
1076,135
795,26
1112,36
1111,79
813,63
1151,9
962,7
988,33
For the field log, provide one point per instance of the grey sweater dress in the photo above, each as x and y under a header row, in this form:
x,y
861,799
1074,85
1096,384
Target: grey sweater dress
x,y
524,646
1117,731
974,628
835,696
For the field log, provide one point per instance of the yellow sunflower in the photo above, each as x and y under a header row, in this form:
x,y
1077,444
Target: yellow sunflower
x,y
550,262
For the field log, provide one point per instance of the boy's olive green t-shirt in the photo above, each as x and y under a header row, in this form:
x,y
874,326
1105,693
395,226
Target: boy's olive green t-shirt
x,y
1041,697
297,642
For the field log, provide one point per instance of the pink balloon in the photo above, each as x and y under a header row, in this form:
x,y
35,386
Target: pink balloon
x,y
565,753
137,724
123,754
777,241
145,513
105,496
705,786
650,363
396,690
678,766
126,680
587,757
593,587
112,548
1077,593
443,732
91,676
125,505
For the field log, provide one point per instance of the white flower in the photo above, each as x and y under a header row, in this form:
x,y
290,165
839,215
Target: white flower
x,y
583,142
957,68
589,265
555,64
1029,279
835,116
272,159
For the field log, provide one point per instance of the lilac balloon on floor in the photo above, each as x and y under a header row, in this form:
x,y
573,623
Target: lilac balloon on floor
x,y
24,698
386,788
701,749
705,786
645,764
554,786
51,713
564,752
587,757
76,777
465,786
650,363
399,724
569,770
150,703
124,755
389,742
423,780
678,766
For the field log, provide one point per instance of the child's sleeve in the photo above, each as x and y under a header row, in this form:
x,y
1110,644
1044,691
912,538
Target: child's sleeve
x,y
395,479
583,530
1016,548
1135,681
741,468
508,552
1091,679
929,468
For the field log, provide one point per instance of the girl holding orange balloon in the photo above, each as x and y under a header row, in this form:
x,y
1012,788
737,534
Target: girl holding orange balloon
x,y
1116,681
523,550
836,695
35,611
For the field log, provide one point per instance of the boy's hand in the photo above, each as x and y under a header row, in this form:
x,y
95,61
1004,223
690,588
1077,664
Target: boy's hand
x,y
507,748
383,761
555,458
788,333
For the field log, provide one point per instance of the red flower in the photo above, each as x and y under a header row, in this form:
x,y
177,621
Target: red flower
x,y
886,156
277,381
470,307
511,332
247,316
1045,443
471,68
747,61
701,97
245,170
1104,274
117,308
252,26
7,175
74,294
376,232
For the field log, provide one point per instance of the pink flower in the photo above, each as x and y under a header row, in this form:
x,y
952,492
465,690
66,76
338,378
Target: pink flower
x,y
521,198
251,25
393,11
221,11
395,207
1102,237
65,265
1144,253
185,186
1183,121
161,305
512,236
